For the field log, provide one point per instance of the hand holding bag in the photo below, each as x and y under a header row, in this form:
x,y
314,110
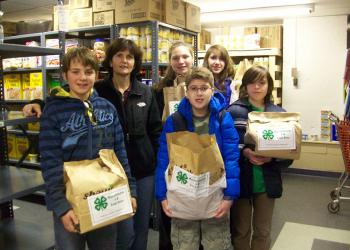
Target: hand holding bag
x,y
98,191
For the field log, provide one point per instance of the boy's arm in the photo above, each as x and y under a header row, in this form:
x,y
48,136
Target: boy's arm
x,y
119,149
52,163
163,160
230,155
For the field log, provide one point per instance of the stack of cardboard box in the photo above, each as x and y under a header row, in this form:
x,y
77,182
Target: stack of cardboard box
x,y
86,13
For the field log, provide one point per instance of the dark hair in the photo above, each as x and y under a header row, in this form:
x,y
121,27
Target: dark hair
x,y
228,70
122,44
83,54
254,74
200,73
170,74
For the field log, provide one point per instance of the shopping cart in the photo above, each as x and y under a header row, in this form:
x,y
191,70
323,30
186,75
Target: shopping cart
x,y
343,129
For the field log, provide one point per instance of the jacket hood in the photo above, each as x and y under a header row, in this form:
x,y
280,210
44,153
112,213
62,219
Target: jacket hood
x,y
63,93
216,104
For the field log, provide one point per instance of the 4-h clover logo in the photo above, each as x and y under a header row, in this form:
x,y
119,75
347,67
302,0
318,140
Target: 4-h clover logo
x,y
181,177
176,107
268,134
100,203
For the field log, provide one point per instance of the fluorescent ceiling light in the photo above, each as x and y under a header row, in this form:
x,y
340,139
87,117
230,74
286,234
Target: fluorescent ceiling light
x,y
279,12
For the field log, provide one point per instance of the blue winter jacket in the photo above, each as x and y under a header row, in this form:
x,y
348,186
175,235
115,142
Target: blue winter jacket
x,y
66,134
227,139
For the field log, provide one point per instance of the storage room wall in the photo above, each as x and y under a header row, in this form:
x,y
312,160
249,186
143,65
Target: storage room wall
x,y
316,46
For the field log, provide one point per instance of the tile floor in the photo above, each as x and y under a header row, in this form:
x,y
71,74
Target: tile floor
x,y
301,220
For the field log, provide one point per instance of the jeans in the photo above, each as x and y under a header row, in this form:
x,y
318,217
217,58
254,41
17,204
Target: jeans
x,y
133,232
100,239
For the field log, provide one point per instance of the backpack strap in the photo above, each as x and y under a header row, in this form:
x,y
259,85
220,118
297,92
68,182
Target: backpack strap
x,y
179,122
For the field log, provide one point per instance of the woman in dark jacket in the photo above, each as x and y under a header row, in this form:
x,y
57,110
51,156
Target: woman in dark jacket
x,y
261,180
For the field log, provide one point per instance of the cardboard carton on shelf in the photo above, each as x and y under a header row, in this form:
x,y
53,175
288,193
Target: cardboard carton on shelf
x,y
138,10
175,13
77,18
77,4
103,5
103,18
193,19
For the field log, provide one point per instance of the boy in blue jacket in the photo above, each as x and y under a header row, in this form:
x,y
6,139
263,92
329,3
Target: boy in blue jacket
x,y
74,126
202,111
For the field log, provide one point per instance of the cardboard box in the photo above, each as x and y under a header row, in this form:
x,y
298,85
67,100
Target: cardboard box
x,y
271,36
10,28
36,85
79,18
193,17
55,16
138,10
103,5
249,30
175,13
76,4
12,84
103,18
76,18
204,38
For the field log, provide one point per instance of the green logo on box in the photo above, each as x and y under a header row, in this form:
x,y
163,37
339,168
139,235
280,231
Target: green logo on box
x,y
268,134
181,177
101,203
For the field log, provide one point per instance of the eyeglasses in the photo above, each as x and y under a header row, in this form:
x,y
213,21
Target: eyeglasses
x,y
89,111
201,89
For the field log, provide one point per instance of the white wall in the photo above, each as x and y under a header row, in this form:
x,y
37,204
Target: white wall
x,y
316,46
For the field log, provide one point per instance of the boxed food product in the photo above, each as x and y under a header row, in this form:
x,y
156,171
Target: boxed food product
x,y
138,10
22,145
11,146
103,18
103,5
36,85
26,86
193,18
175,13
12,84
34,126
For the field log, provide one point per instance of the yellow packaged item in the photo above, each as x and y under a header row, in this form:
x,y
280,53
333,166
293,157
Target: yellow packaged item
x,y
26,86
12,84
11,146
22,145
36,85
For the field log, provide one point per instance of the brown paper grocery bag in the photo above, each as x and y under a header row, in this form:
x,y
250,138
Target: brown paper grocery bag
x,y
195,175
172,98
274,134
98,191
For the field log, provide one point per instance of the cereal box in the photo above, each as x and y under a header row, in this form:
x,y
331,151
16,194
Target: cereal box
x,y
12,83
26,86
36,85
11,146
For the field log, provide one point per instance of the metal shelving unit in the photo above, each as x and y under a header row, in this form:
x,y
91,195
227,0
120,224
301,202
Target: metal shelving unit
x,y
16,182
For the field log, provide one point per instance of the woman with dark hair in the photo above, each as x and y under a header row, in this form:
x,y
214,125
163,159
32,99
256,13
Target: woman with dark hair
x,y
260,177
218,61
140,119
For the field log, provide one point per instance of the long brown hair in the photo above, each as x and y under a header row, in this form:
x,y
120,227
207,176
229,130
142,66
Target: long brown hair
x,y
228,70
254,74
170,74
